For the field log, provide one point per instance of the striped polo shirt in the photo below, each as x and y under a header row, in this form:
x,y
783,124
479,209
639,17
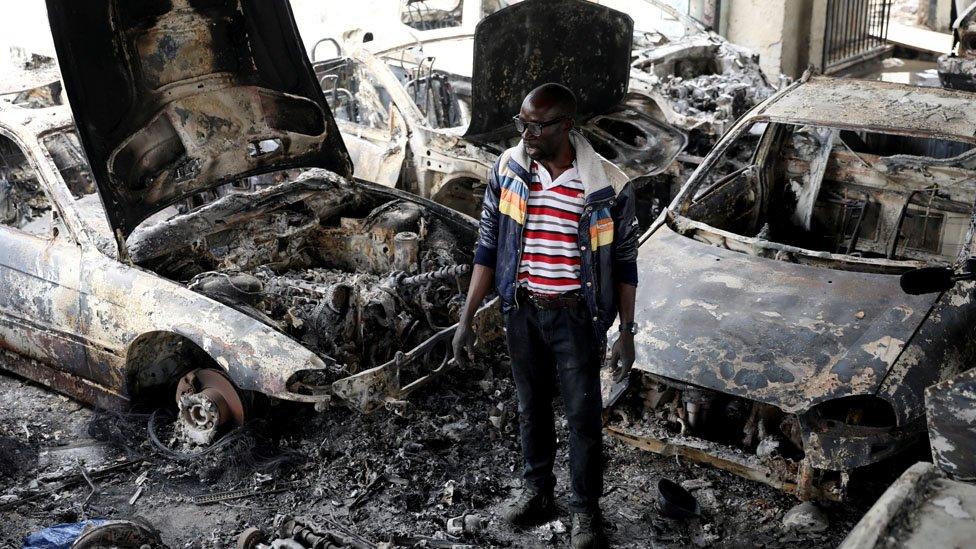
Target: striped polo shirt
x,y
551,258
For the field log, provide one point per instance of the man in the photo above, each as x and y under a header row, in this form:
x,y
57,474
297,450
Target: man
x,y
558,238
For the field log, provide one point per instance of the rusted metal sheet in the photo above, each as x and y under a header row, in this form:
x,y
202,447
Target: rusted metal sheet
x,y
950,408
780,333
944,345
896,108
531,43
782,477
64,382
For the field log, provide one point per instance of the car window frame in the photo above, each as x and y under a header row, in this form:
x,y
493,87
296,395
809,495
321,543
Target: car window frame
x,y
686,195
61,220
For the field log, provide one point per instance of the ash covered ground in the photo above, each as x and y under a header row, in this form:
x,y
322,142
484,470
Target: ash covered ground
x,y
379,478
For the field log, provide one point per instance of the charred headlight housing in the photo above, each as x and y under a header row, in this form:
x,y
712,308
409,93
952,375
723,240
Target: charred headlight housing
x,y
856,411
311,382
850,432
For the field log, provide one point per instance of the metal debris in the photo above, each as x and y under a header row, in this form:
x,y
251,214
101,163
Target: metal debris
x,y
805,517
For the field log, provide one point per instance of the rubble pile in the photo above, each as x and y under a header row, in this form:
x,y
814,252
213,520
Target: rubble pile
x,y
433,476
717,99
710,100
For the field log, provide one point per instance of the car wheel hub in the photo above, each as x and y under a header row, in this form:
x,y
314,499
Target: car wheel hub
x,y
207,400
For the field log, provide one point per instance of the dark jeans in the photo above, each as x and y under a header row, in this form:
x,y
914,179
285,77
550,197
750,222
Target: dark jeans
x,y
545,344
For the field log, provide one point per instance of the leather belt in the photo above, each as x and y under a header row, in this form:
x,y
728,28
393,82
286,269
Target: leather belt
x,y
562,300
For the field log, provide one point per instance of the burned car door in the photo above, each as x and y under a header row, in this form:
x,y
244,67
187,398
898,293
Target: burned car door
x,y
372,128
39,269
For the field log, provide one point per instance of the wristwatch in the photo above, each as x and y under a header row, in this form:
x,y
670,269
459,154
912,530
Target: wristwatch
x,y
629,327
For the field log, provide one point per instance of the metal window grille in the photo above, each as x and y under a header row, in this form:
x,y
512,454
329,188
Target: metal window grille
x,y
855,29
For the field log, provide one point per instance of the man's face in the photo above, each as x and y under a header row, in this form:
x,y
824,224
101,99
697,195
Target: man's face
x,y
546,145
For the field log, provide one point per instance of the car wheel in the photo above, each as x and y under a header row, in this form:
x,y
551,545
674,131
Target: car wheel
x,y
207,401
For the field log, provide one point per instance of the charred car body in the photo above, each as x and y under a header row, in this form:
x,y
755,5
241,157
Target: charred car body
x,y
775,340
280,284
431,117
957,70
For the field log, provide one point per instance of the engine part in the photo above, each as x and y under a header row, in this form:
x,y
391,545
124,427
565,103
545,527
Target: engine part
x,y
207,401
697,402
444,273
228,288
120,534
312,536
406,251
252,538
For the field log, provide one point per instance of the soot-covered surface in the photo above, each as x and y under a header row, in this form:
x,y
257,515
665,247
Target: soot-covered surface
x,y
382,477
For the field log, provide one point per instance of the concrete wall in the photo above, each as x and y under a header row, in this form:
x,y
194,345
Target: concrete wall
x,y
757,24
788,35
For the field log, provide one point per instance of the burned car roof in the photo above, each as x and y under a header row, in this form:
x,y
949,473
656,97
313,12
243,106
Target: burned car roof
x,y
172,98
887,106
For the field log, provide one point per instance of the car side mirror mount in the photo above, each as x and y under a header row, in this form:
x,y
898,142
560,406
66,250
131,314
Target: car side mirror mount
x,y
930,280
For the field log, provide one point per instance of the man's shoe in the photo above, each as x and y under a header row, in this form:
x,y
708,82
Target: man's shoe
x,y
587,531
530,508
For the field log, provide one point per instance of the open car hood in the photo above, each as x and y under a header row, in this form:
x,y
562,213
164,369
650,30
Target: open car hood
x,y
173,97
579,44
780,333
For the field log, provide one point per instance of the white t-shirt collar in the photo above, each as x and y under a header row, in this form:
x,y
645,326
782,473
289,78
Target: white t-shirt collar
x,y
546,180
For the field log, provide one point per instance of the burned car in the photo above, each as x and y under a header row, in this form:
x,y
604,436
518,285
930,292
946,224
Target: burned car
x,y
33,81
281,283
957,69
701,82
775,340
431,116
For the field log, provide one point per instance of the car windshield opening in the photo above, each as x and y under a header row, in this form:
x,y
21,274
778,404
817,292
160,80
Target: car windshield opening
x,y
852,192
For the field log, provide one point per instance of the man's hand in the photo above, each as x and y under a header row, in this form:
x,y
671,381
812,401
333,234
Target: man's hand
x,y
481,281
621,357
463,344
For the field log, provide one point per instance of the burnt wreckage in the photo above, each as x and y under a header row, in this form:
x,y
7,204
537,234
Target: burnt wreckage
x,y
412,109
775,341
957,70
430,116
701,82
286,279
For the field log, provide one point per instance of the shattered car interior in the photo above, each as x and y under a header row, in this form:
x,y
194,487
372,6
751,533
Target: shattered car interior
x,y
782,332
22,202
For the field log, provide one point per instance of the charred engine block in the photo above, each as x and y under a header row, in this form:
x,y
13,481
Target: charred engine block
x,y
357,290
362,320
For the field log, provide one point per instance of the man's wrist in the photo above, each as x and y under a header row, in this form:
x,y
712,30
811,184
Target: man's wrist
x,y
628,328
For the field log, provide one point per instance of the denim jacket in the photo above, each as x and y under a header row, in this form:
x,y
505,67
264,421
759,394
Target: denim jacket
x,y
607,229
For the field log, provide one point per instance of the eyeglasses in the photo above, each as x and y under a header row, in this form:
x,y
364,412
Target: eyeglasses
x,y
535,128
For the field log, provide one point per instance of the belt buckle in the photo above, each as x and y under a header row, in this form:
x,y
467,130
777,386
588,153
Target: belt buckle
x,y
537,299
